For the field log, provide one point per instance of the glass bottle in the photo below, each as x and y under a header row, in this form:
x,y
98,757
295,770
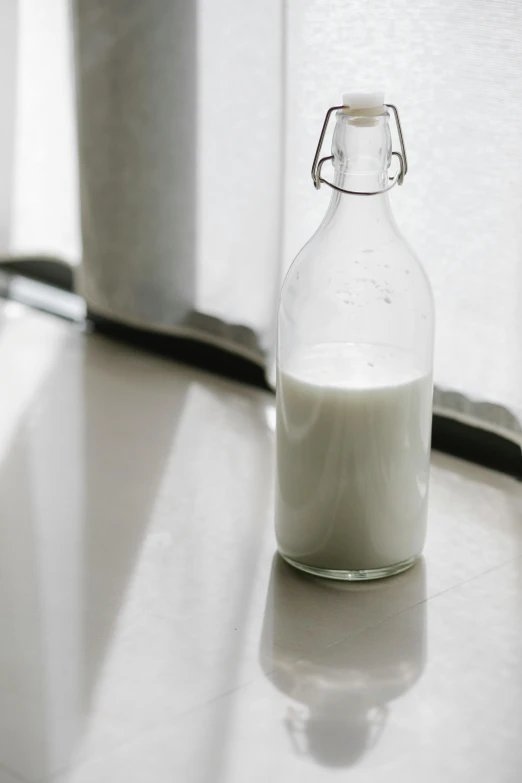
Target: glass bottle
x,y
354,370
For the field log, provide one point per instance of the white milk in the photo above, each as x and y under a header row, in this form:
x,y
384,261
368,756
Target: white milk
x,y
353,440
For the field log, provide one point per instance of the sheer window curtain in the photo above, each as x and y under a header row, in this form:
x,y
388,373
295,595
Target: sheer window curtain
x,y
197,123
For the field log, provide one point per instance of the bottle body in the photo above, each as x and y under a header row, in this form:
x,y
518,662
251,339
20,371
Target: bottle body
x,y
354,390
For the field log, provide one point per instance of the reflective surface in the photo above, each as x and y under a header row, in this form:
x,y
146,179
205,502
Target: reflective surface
x,y
150,633
338,701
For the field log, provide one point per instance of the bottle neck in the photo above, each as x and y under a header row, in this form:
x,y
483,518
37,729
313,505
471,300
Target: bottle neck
x,y
361,152
378,205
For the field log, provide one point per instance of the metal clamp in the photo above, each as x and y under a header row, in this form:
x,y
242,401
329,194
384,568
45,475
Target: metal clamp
x,y
317,165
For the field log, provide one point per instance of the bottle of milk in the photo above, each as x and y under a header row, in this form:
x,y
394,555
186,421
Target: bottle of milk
x,y
354,368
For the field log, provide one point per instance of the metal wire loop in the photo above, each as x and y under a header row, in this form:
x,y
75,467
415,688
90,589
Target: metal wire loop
x,y
317,164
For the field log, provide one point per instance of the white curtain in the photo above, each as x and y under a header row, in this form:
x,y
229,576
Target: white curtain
x,y
454,70
227,99
39,212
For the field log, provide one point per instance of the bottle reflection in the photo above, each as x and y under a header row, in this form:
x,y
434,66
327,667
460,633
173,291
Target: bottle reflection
x,y
342,691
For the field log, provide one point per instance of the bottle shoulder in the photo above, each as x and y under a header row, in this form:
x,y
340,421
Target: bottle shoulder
x,y
327,266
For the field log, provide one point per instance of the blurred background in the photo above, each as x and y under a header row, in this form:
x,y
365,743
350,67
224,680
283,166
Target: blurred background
x,y
163,150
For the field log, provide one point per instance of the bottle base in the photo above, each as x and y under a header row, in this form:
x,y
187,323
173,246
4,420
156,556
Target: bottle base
x,y
353,576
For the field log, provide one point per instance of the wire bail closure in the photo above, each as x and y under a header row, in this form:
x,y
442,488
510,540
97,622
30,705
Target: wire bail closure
x,y
317,165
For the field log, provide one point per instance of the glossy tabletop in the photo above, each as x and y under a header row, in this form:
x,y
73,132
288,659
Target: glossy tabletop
x,y
150,633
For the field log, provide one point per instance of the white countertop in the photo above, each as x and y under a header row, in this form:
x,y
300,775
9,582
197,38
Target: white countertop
x,y
149,634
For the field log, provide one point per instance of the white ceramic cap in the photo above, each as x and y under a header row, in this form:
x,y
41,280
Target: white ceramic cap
x,y
364,100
